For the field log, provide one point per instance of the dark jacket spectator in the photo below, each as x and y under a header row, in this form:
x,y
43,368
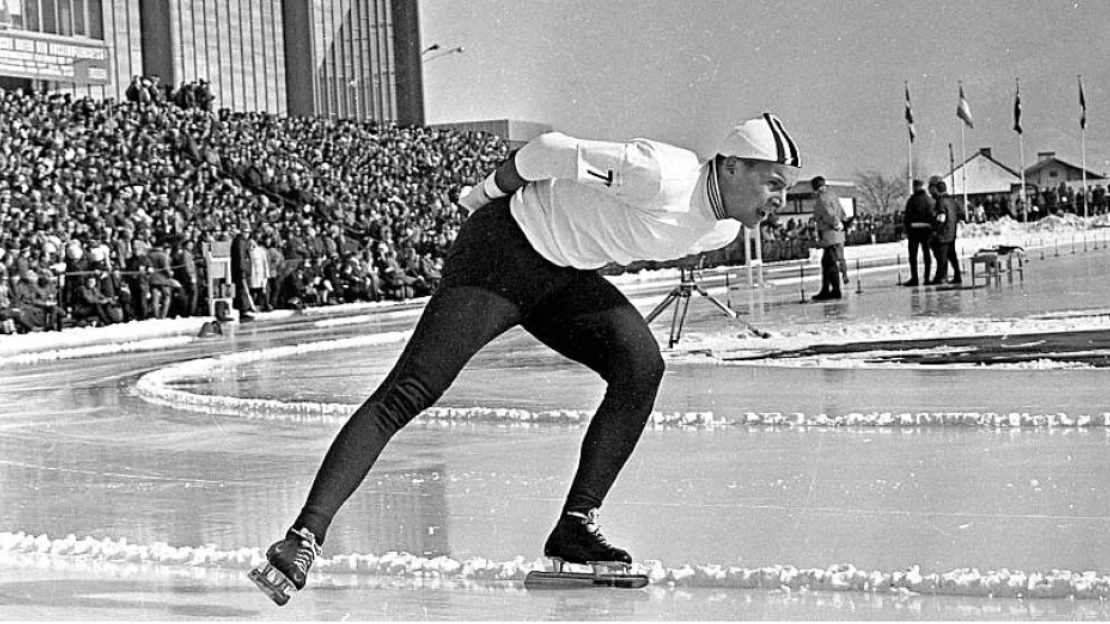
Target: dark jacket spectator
x,y
185,272
9,313
241,270
38,305
295,288
163,286
920,211
138,284
91,304
946,226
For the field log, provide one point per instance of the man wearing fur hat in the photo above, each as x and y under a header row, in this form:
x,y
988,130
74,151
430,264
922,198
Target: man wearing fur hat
x,y
944,238
542,224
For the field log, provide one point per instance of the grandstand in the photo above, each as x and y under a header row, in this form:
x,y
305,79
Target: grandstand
x,y
133,132
349,209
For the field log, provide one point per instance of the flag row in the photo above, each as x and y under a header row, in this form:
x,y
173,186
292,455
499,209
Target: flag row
x,y
963,109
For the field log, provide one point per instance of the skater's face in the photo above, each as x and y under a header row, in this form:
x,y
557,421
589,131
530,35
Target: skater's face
x,y
753,189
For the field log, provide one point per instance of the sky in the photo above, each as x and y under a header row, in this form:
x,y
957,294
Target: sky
x,y
686,71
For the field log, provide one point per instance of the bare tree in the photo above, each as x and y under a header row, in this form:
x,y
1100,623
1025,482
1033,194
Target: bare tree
x,y
880,193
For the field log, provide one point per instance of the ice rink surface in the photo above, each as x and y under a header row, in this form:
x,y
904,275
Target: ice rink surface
x,y
114,507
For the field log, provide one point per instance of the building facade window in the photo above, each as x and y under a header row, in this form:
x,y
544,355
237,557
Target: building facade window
x,y
228,43
239,47
31,15
352,43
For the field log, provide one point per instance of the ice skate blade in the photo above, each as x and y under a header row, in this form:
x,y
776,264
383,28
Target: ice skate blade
x,y
272,582
596,574
583,580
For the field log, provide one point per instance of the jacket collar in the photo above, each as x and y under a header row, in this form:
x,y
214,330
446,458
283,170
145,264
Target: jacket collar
x,y
713,191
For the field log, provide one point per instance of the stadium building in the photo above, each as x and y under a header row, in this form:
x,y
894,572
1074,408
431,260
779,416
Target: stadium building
x,y
332,58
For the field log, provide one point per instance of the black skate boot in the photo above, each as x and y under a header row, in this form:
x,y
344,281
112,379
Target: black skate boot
x,y
577,542
577,539
287,565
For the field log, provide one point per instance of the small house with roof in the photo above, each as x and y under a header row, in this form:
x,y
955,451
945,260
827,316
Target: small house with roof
x,y
982,176
1049,171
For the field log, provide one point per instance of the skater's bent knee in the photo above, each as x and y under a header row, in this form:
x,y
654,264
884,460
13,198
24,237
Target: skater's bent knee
x,y
653,366
644,369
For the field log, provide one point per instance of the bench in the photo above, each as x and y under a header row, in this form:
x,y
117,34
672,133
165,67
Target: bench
x,y
995,262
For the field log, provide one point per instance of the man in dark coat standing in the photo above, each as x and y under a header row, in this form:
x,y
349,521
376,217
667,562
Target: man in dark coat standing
x,y
918,221
241,272
185,271
947,222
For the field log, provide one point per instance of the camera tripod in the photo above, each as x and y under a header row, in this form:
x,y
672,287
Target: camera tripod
x,y
687,285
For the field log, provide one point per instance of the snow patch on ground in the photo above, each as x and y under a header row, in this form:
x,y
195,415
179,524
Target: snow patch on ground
x,y
44,550
742,344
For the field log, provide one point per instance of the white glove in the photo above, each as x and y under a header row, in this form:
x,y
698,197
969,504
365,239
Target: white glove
x,y
480,195
472,198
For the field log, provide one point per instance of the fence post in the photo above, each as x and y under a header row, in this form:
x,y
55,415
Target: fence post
x,y
802,281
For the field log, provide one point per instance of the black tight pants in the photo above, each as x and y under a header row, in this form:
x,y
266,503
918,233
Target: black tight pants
x,y
494,280
919,238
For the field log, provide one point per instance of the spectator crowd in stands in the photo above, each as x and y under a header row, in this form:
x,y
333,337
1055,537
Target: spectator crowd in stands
x,y
106,207
150,90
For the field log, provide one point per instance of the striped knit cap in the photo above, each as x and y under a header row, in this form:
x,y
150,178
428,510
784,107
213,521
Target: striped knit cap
x,y
763,138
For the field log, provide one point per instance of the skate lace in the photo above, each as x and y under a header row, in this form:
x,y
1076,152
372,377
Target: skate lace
x,y
307,552
593,527
595,531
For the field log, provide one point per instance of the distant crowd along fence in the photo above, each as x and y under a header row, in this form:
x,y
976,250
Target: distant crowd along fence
x,y
778,250
215,270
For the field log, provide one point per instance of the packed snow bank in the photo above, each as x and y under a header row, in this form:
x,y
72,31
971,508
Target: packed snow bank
x,y
841,577
159,387
92,350
738,343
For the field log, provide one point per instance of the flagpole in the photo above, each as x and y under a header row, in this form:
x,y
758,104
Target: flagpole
x,y
1083,141
963,112
1025,207
963,166
1024,200
909,165
910,136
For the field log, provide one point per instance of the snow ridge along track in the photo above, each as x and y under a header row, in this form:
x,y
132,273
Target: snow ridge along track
x,y
43,550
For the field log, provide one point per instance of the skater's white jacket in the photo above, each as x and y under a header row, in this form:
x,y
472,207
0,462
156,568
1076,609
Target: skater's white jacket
x,y
592,203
